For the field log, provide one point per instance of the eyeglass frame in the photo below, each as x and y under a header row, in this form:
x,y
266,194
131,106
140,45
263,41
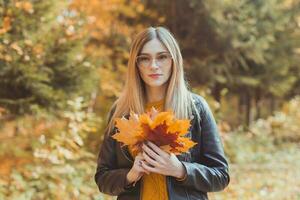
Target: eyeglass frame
x,y
153,58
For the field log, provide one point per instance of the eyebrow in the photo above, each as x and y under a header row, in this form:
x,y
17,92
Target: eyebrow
x,y
156,54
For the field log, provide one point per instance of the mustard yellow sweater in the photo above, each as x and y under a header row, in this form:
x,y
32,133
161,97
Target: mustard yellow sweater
x,y
154,185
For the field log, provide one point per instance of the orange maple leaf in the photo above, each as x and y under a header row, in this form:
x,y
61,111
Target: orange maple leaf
x,y
161,128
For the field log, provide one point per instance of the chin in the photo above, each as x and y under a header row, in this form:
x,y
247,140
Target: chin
x,y
155,83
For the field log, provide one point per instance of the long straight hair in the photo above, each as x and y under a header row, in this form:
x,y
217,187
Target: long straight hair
x,y
133,98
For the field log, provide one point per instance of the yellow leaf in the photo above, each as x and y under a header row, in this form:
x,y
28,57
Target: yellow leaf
x,y
163,117
181,126
128,131
186,144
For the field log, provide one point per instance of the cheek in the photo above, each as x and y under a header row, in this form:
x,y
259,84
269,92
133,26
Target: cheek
x,y
168,72
142,74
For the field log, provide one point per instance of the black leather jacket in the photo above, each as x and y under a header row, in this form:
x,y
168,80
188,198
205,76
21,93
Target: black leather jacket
x,y
205,163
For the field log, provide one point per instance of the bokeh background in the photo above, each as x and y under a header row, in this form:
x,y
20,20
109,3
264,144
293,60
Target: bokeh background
x,y
63,63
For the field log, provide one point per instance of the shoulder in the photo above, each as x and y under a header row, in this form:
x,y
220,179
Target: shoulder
x,y
200,103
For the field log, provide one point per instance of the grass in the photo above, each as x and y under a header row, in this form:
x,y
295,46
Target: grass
x,y
276,177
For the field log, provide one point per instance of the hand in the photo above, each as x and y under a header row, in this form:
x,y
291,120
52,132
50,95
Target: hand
x,y
137,171
162,162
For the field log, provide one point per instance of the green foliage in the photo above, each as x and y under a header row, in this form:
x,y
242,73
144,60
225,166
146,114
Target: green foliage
x,y
283,125
261,38
241,147
42,63
265,178
67,145
265,135
60,159
71,181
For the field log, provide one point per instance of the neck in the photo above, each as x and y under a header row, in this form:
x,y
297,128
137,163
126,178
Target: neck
x,y
155,94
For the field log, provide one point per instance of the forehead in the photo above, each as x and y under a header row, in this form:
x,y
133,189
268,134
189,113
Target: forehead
x,y
153,47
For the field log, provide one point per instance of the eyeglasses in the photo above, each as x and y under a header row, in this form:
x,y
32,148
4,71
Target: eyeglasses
x,y
161,60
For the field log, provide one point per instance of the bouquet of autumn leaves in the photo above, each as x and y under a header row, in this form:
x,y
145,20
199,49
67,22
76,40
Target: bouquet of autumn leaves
x,y
160,128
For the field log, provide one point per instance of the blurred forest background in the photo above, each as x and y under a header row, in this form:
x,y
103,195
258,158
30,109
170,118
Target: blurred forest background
x,y
63,63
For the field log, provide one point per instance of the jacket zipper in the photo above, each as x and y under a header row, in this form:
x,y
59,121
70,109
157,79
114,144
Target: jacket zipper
x,y
187,195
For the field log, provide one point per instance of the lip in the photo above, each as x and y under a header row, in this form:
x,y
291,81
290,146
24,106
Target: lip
x,y
155,76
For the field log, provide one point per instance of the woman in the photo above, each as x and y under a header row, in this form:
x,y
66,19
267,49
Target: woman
x,y
156,78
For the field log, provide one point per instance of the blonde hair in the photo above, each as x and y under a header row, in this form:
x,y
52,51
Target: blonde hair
x,y
133,98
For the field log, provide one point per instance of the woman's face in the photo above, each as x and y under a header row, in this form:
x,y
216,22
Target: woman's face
x,y
155,64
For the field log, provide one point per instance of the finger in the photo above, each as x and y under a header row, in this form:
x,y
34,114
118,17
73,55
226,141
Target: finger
x,y
150,160
158,150
140,155
151,153
140,167
140,158
139,163
144,170
148,168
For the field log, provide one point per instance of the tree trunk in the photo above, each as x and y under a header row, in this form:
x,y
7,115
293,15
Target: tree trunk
x,y
257,103
248,109
241,108
272,105
217,92
174,15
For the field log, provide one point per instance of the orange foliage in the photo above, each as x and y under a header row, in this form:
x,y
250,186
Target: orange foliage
x,y
11,163
103,15
6,26
161,128
25,5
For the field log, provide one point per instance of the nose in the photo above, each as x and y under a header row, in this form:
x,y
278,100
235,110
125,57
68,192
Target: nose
x,y
153,64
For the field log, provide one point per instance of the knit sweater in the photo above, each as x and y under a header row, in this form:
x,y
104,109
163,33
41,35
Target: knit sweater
x,y
154,185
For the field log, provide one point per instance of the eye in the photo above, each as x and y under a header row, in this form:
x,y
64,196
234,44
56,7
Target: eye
x,y
162,57
143,59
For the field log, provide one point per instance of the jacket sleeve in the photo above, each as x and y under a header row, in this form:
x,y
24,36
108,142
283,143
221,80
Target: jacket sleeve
x,y
110,180
210,172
